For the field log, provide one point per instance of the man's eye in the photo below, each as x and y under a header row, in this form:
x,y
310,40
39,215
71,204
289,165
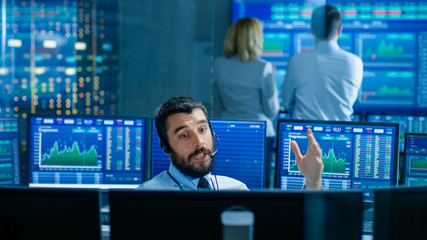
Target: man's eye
x,y
203,130
183,136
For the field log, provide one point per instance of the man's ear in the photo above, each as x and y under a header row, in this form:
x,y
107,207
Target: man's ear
x,y
339,31
164,146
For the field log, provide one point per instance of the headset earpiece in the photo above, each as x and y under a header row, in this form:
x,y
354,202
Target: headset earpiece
x,y
212,132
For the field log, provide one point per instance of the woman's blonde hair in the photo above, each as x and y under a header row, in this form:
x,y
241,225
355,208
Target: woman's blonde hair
x,y
244,39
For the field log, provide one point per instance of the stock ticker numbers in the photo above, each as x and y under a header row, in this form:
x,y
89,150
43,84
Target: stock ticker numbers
x,y
84,151
355,154
58,57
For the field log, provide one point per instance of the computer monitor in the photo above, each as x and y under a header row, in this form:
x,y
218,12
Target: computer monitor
x,y
197,214
241,151
10,168
355,154
387,35
415,154
356,117
408,123
33,213
87,152
400,213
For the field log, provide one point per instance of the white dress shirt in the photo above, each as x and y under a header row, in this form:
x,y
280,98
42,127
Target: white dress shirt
x,y
322,84
245,90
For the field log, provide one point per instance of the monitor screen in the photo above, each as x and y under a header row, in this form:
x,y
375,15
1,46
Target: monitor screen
x,y
400,213
408,124
415,173
9,152
355,155
32,213
387,35
241,152
197,215
92,152
356,117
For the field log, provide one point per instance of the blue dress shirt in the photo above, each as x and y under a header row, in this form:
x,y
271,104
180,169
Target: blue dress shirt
x,y
173,179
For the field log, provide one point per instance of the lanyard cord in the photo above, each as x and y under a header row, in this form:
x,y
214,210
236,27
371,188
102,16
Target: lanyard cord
x,y
170,175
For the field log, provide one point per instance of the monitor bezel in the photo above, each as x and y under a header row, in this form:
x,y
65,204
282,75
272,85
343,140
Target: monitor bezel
x,y
396,142
255,201
85,186
32,197
384,215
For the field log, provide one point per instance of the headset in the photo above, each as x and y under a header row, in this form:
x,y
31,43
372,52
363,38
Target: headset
x,y
164,145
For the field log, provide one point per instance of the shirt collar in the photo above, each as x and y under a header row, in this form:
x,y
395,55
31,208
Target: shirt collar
x,y
186,182
321,45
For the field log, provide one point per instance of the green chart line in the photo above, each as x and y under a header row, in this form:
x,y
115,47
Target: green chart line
x,y
70,157
271,46
3,151
385,50
385,90
419,164
331,164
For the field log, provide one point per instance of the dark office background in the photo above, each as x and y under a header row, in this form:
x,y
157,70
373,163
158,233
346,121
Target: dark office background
x,y
167,49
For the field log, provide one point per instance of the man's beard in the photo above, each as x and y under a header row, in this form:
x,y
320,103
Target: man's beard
x,y
185,166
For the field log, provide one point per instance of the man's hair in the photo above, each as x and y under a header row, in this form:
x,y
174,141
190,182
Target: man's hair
x,y
244,39
172,106
325,22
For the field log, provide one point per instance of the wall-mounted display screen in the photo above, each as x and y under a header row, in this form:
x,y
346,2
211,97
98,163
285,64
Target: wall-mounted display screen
x,y
389,36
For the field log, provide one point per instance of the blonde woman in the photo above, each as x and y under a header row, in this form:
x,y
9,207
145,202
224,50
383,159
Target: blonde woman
x,y
244,86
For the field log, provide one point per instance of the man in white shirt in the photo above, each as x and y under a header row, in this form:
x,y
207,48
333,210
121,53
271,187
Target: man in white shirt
x,y
186,136
323,84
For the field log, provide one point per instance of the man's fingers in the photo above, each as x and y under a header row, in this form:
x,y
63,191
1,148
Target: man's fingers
x,y
295,149
311,138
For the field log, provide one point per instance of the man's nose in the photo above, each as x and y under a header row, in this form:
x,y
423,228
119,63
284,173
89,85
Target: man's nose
x,y
198,140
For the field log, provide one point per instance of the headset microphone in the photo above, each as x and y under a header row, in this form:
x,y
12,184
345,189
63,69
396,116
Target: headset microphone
x,y
213,155
216,150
